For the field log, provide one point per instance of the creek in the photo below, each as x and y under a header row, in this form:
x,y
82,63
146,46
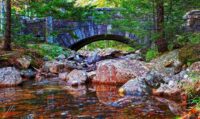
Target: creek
x,y
51,100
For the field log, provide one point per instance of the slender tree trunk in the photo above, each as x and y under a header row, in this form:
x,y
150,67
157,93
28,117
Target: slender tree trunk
x,y
154,14
161,42
7,40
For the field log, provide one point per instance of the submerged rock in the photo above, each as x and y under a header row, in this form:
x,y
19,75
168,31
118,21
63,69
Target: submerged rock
x,y
119,71
76,91
76,77
10,76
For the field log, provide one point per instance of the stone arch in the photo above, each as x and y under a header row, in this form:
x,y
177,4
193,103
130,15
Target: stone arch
x,y
88,32
83,42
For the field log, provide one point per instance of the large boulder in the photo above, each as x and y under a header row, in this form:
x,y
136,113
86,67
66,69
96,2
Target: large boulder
x,y
142,86
168,64
10,76
135,87
119,71
76,77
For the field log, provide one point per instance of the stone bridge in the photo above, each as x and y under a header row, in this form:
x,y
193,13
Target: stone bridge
x,y
77,34
88,32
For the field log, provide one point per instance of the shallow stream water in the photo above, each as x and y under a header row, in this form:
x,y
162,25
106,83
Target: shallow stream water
x,y
54,101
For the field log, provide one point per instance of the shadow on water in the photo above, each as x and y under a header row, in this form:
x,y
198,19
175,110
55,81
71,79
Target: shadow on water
x,y
53,101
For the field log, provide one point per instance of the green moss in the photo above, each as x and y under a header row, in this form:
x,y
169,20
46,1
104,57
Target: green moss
x,y
189,54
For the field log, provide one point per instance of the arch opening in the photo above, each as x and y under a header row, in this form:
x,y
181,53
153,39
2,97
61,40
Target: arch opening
x,y
80,44
105,44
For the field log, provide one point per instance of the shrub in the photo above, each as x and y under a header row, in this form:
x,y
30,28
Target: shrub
x,y
23,40
194,38
151,54
49,50
188,38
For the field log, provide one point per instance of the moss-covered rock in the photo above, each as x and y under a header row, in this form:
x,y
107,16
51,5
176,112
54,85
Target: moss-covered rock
x,y
189,54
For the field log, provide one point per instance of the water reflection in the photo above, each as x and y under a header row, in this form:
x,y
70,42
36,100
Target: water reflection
x,y
52,101
107,93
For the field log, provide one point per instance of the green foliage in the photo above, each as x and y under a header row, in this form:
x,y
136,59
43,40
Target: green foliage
x,y
61,9
194,38
151,54
135,16
49,50
23,40
18,38
196,101
98,3
108,44
188,38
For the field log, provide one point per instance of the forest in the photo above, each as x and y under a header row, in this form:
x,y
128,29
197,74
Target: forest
x,y
100,59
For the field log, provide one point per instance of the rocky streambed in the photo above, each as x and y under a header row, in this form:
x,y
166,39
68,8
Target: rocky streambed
x,y
120,81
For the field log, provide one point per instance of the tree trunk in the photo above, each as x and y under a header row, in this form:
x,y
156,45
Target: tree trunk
x,y
7,40
161,42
